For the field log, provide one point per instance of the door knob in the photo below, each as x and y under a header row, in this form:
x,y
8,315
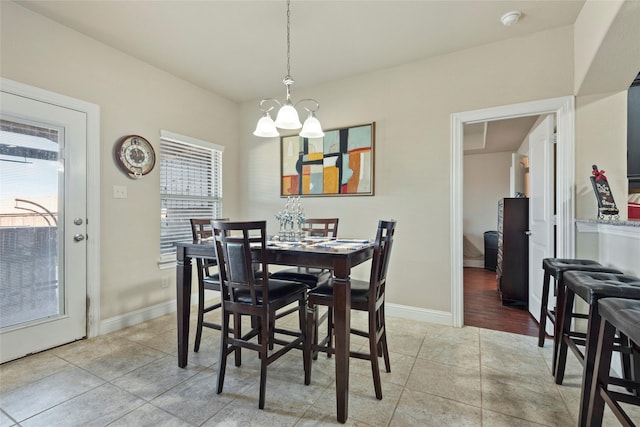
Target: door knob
x,y
528,232
78,237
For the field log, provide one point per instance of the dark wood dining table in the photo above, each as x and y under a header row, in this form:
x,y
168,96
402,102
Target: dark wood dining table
x,y
341,260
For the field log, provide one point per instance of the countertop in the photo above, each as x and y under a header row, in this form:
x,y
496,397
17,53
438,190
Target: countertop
x,y
630,223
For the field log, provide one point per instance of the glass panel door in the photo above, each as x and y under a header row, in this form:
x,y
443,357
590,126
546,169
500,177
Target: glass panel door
x,y
29,193
43,253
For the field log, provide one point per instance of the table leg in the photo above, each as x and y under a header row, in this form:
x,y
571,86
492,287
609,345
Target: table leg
x,y
183,297
342,324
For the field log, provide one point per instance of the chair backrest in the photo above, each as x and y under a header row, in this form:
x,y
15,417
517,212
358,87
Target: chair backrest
x,y
201,228
234,242
380,260
321,227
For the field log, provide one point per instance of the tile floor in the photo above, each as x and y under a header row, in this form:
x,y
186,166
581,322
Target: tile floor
x,y
441,376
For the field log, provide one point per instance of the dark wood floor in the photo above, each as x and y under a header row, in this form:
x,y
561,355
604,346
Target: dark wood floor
x,y
483,308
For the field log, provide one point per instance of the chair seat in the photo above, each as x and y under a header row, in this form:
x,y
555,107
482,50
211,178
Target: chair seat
x,y
624,314
591,286
559,265
278,289
621,316
359,291
311,277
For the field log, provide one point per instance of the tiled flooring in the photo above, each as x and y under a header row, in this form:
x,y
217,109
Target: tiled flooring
x,y
441,376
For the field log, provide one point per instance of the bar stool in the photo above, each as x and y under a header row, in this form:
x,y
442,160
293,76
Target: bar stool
x,y
591,287
622,315
556,267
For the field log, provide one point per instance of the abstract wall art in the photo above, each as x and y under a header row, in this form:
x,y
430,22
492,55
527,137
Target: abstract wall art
x,y
339,164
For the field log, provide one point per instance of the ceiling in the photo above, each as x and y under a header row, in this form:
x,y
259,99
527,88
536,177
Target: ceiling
x,y
497,136
237,48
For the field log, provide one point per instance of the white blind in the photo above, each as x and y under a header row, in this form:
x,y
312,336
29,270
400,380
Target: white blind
x,y
190,187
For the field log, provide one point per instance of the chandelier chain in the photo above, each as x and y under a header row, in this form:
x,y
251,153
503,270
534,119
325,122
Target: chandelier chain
x,y
288,39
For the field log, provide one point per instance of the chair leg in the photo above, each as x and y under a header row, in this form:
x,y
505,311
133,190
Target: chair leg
x,y
196,345
635,367
265,341
237,333
224,343
306,339
329,329
563,335
312,314
373,355
272,326
544,308
383,341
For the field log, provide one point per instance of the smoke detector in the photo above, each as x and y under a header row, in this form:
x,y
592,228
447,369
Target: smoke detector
x,y
511,18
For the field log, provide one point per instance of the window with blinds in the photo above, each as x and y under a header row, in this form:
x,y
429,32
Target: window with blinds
x,y
190,187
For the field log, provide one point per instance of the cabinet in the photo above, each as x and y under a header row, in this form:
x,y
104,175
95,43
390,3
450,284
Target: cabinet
x,y
512,269
490,250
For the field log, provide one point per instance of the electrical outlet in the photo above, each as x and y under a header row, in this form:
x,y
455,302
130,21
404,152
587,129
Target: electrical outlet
x,y
165,282
119,192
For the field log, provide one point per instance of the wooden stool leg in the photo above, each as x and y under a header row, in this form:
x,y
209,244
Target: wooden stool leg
x,y
557,329
593,329
544,308
563,334
601,375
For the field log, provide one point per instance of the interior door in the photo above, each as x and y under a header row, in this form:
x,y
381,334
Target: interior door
x,y
43,265
541,209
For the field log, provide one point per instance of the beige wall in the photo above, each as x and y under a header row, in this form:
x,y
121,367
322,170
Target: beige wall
x,y
134,98
601,139
412,106
486,180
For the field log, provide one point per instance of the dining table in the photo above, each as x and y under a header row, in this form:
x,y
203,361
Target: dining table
x,y
339,255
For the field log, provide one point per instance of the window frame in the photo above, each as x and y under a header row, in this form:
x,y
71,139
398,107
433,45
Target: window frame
x,y
167,259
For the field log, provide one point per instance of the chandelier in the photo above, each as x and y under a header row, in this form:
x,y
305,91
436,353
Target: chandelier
x,y
287,117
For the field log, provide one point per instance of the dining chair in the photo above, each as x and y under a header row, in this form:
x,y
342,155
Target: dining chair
x,y
244,294
207,279
365,296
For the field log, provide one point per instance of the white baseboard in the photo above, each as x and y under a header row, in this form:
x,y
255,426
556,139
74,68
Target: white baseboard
x,y
419,314
148,313
138,316
476,263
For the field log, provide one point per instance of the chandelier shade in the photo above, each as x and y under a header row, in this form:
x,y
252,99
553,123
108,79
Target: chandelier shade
x,y
266,127
312,127
287,117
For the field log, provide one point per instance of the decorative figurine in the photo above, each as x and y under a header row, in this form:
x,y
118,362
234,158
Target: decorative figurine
x,y
607,208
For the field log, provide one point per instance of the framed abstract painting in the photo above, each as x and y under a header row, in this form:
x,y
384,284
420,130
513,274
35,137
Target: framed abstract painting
x,y
341,163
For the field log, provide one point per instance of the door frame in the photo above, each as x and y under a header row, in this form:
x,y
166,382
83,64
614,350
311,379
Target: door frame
x,y
92,112
564,109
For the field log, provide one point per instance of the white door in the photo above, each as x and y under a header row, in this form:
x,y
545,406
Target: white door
x,y
43,260
541,210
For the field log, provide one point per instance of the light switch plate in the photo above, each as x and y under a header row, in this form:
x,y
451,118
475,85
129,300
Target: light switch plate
x,y
119,192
